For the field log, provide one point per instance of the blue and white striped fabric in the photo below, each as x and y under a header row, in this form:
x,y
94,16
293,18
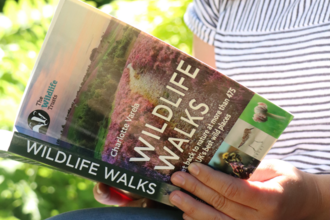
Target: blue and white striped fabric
x,y
281,50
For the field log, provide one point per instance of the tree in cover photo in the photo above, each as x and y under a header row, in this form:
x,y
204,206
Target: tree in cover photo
x,y
90,114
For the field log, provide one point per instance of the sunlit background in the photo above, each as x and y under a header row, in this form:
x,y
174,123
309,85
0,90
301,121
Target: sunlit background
x,y
31,192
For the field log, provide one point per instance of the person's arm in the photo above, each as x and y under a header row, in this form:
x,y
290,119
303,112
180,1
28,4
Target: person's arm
x,y
323,182
203,51
277,190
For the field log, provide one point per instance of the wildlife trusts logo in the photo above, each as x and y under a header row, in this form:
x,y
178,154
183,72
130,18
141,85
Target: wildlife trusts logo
x,y
39,121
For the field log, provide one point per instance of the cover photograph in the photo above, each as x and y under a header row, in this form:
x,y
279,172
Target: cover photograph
x,y
104,90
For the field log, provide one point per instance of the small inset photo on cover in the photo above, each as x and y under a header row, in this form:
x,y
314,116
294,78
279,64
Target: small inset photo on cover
x,y
266,116
234,162
250,139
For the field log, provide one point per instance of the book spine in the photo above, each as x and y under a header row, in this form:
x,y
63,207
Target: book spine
x,y
88,167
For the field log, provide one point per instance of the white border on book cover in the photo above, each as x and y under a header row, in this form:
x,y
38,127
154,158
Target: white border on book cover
x,y
5,139
56,14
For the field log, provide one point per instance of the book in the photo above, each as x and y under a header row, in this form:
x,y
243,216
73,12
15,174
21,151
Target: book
x,y
114,104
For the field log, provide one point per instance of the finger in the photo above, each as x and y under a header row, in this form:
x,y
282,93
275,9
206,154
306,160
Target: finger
x,y
237,190
219,202
102,195
195,209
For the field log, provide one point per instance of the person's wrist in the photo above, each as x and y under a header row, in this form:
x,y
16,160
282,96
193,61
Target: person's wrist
x,y
317,202
323,185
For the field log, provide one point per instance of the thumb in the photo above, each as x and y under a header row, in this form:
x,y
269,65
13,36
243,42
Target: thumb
x,y
106,195
269,169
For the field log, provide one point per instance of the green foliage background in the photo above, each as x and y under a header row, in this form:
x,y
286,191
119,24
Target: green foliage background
x,y
28,191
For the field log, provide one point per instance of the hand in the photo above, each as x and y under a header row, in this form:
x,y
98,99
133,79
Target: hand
x,y
276,191
103,194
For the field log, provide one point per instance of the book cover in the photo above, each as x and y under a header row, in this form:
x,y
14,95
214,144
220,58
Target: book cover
x,y
117,105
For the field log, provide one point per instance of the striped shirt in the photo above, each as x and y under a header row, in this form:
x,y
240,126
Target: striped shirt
x,y
281,50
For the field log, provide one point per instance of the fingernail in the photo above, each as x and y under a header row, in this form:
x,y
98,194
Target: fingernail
x,y
102,190
98,190
186,217
193,169
177,179
176,200
144,204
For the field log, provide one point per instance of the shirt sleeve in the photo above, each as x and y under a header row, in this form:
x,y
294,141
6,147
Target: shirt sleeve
x,y
202,18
